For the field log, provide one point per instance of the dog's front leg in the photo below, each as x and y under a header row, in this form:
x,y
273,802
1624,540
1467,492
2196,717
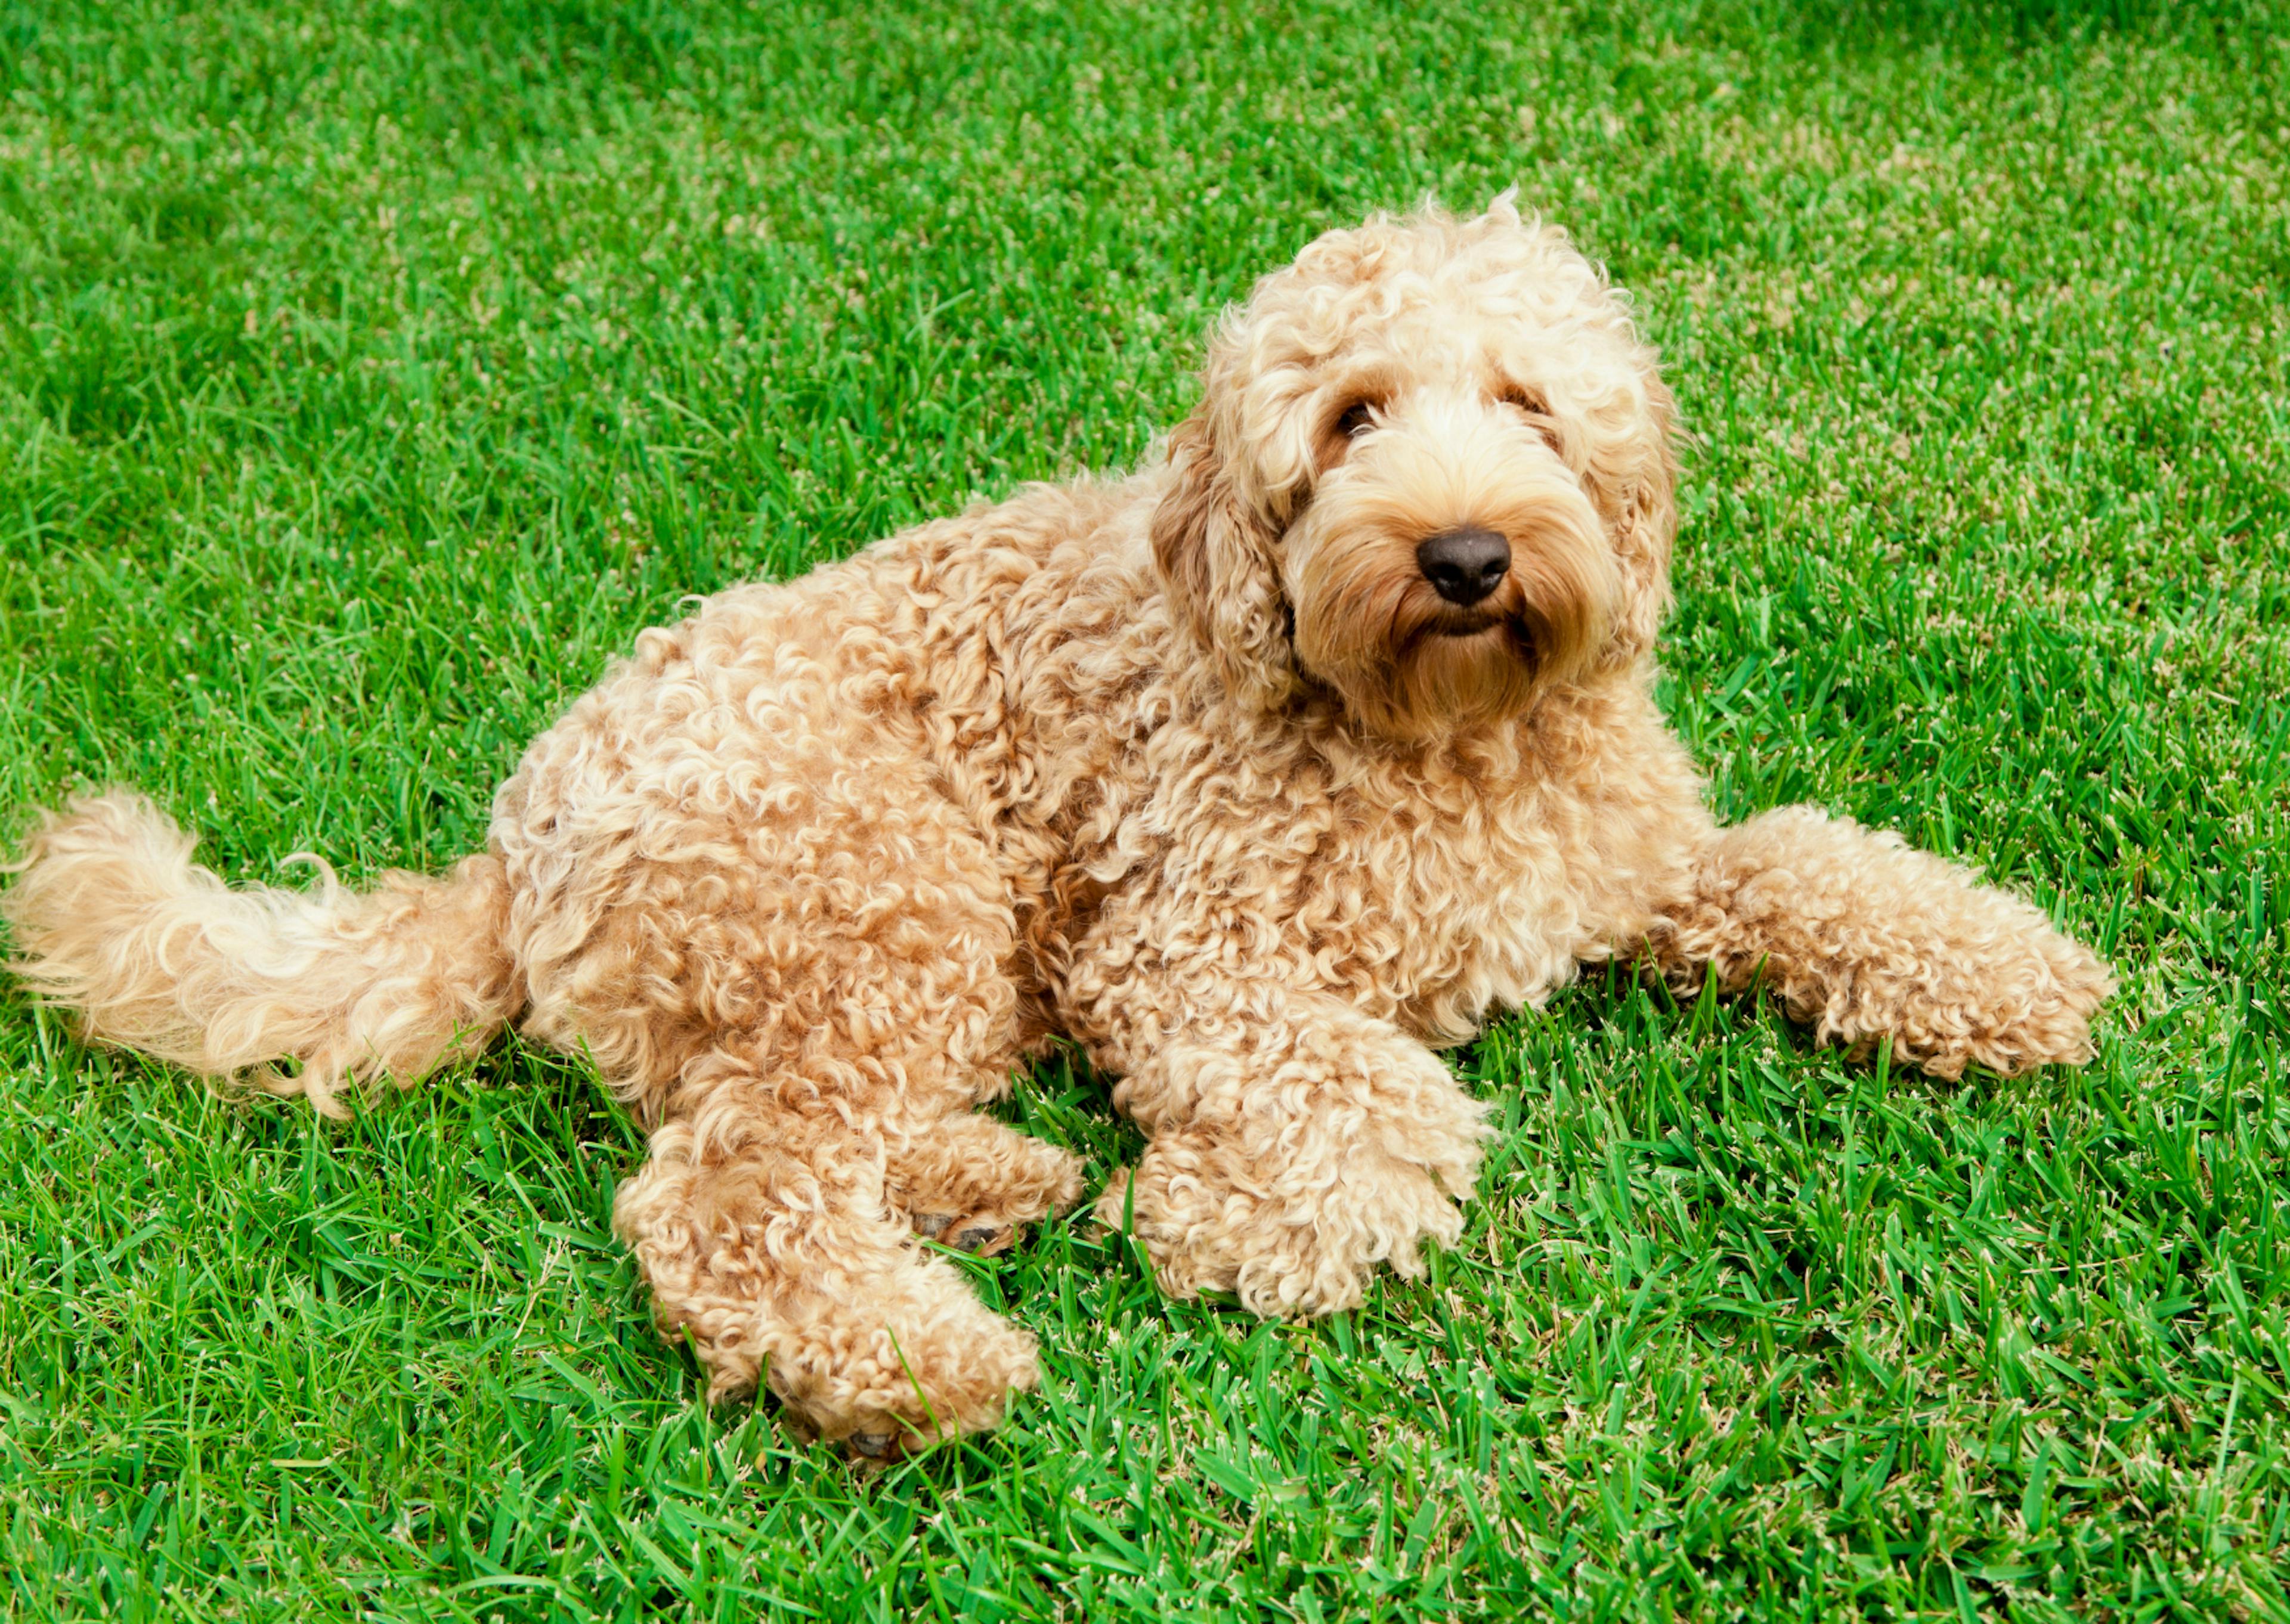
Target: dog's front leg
x,y
1864,939
1295,1144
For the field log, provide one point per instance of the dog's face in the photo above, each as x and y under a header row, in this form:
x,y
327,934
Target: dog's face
x,y
1431,471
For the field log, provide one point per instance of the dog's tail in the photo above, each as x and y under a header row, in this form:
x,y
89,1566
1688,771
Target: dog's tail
x,y
113,919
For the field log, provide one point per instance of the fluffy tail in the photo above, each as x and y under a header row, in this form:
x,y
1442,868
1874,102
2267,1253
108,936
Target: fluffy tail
x,y
113,919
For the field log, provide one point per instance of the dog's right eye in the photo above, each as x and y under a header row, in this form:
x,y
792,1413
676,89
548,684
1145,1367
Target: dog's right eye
x,y
1354,419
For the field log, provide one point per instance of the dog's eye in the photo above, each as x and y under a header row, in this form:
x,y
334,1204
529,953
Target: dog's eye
x,y
1537,411
1343,428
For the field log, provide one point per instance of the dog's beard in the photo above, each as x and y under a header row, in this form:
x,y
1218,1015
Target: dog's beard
x,y
1409,664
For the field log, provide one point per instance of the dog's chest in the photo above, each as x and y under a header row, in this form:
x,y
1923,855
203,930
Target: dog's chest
x,y
1426,902
1448,911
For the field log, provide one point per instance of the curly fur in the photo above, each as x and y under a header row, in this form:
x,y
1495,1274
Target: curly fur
x,y
1195,767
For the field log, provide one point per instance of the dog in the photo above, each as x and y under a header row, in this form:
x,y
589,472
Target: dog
x,y
1259,774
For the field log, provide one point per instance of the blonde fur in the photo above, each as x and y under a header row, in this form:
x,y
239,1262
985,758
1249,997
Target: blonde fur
x,y
157,954
1195,767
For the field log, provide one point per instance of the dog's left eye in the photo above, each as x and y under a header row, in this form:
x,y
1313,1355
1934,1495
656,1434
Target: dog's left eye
x,y
1354,420
1536,410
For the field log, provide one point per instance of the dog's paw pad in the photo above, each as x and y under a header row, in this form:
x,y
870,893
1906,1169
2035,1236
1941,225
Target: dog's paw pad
x,y
980,1235
984,1240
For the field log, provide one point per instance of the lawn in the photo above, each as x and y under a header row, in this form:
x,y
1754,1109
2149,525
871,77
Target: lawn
x,y
370,372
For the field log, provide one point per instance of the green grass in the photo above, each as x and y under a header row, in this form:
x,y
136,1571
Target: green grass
x,y
370,372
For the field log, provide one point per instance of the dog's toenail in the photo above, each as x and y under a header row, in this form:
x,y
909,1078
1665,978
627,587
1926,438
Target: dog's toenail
x,y
874,1446
932,1225
980,1237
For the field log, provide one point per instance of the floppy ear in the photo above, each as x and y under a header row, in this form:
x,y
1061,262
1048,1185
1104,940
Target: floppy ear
x,y
1643,537
1216,560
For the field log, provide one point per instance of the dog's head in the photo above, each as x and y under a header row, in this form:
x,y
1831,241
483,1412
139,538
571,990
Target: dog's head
x,y
1431,470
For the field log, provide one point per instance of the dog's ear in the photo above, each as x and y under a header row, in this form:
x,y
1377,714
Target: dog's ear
x,y
1644,535
1216,565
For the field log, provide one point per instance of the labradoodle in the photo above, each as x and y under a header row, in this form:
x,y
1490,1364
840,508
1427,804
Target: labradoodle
x,y
1261,774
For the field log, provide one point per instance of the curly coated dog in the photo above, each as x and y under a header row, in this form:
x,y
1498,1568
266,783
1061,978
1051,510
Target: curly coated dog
x,y
1261,774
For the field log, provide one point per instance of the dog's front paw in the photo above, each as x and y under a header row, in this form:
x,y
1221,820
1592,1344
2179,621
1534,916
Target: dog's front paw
x,y
2049,1022
1290,1241
2024,999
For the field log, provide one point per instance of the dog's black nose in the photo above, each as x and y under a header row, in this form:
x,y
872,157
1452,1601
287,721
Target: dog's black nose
x,y
1465,564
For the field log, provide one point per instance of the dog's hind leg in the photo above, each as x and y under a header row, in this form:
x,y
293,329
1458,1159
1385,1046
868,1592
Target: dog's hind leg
x,y
774,1252
970,1182
1865,939
789,989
